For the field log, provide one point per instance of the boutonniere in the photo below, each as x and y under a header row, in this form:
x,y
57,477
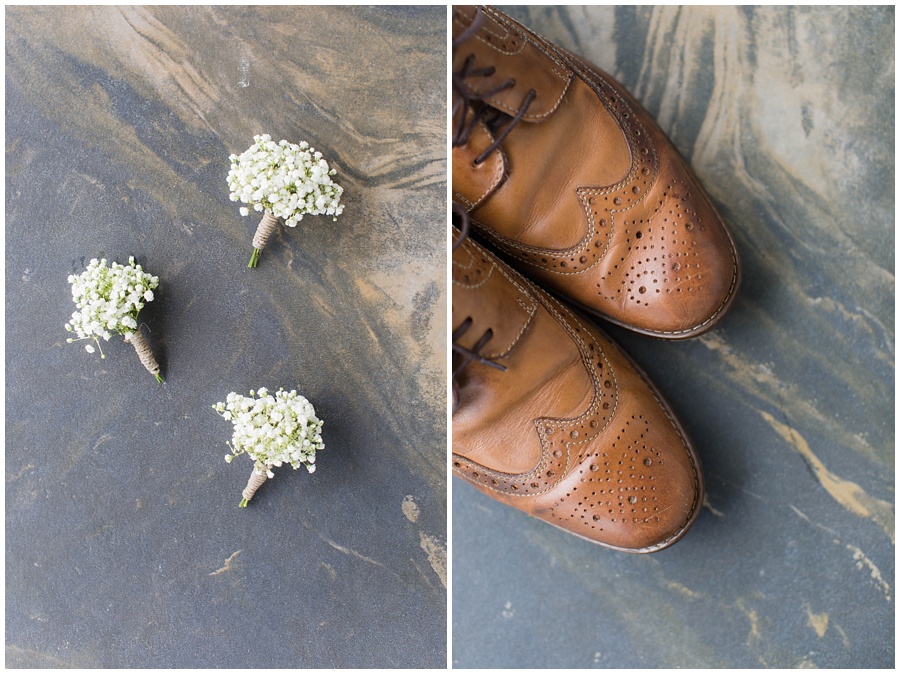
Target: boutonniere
x,y
271,430
282,180
108,299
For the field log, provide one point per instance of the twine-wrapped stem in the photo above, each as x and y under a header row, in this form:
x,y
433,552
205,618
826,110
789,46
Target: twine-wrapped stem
x,y
136,339
263,232
255,482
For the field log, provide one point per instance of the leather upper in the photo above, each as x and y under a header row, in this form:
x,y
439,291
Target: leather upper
x,y
570,432
586,195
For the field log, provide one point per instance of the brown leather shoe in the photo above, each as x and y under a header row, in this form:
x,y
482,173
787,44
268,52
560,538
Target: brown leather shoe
x,y
565,173
552,418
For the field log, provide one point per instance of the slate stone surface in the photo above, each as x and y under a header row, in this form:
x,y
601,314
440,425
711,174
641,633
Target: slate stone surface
x,y
787,116
124,543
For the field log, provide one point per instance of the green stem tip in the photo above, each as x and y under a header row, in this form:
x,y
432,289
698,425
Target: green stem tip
x,y
243,503
160,379
254,259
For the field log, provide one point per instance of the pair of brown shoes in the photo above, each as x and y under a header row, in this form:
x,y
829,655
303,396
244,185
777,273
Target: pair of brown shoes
x,y
560,170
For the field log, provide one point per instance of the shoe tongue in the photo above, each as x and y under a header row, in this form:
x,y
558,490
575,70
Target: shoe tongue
x,y
483,292
500,43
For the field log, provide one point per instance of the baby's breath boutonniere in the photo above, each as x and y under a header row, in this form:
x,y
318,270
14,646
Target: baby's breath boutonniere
x,y
271,430
108,300
282,180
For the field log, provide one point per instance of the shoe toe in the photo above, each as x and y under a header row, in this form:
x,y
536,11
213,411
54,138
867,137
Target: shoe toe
x,y
681,270
636,487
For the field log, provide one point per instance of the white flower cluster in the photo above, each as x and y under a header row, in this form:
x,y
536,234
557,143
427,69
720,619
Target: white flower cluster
x,y
286,179
273,430
108,299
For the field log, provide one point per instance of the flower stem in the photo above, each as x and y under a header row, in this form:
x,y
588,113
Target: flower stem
x,y
244,502
136,339
263,232
255,482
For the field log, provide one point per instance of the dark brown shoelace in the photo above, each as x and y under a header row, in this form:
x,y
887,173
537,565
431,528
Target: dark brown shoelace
x,y
462,356
471,108
460,220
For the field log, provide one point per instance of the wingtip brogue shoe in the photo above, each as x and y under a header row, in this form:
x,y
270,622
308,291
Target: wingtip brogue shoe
x,y
552,418
564,173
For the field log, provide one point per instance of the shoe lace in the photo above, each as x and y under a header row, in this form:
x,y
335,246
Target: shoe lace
x,y
463,356
461,220
470,108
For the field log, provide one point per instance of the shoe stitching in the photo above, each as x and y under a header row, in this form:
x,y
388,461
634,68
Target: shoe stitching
x,y
508,243
468,204
499,172
470,256
510,32
685,443
552,307
562,75
591,235
589,365
696,328
542,424
531,310
734,265
563,72
694,469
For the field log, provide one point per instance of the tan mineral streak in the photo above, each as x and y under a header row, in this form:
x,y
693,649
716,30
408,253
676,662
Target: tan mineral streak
x,y
818,622
228,566
863,562
410,509
848,494
760,380
437,555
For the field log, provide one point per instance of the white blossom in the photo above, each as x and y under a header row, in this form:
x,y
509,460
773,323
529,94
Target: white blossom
x,y
273,430
108,298
287,179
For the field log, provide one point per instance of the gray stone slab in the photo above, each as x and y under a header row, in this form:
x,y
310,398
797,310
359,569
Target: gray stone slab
x,y
787,116
124,543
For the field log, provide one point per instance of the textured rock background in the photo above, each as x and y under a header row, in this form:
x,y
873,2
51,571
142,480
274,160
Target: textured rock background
x,y
787,116
125,545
